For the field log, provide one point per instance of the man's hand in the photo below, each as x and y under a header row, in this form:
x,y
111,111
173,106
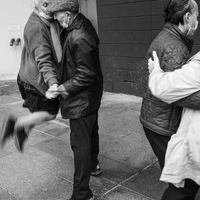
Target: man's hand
x,y
53,87
63,91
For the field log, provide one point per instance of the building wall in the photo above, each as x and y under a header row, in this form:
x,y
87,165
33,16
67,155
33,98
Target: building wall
x,y
126,29
13,16
89,9
12,28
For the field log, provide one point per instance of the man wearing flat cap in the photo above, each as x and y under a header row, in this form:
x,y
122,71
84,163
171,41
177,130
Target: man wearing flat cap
x,y
81,91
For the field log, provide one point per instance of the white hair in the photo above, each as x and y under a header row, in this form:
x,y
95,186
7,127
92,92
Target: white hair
x,y
37,2
32,3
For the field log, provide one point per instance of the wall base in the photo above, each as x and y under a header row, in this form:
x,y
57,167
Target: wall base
x,y
8,76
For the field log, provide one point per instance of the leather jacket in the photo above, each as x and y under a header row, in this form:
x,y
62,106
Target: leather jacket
x,y
81,72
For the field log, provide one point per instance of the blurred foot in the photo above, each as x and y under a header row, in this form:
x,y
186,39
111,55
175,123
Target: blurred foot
x,y
96,171
20,138
8,129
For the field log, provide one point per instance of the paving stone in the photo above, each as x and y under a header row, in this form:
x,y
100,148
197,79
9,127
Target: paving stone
x,y
136,107
126,151
124,128
4,100
15,170
17,95
34,138
5,152
45,169
56,147
61,120
37,136
121,193
114,98
110,110
48,187
59,167
4,112
114,170
16,107
4,195
8,87
53,128
9,146
116,125
136,134
100,185
147,183
65,137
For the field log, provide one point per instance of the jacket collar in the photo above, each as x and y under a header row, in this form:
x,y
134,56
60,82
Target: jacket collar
x,y
176,31
77,22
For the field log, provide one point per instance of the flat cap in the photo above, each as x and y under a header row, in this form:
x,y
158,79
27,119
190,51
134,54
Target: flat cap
x,y
66,5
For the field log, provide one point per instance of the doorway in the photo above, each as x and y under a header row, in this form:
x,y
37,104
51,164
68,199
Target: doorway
x,y
89,9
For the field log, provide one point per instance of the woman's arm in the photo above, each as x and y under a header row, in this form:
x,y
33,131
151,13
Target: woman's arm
x,y
173,86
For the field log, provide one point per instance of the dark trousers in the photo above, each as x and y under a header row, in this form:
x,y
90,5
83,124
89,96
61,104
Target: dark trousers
x,y
84,138
159,145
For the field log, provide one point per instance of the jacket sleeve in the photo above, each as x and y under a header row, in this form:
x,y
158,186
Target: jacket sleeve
x,y
41,50
192,101
173,86
43,59
85,55
175,55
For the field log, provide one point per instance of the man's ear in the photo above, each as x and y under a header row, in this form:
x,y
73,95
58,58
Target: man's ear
x,y
186,17
67,13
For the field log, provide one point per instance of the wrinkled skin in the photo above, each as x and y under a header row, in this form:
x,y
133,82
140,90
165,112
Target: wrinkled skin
x,y
42,6
63,18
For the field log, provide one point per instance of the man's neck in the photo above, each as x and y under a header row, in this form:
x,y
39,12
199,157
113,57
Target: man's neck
x,y
182,29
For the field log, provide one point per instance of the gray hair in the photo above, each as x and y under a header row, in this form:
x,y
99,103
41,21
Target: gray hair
x,y
33,3
36,2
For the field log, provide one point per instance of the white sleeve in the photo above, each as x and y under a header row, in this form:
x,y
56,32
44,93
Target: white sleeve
x,y
173,86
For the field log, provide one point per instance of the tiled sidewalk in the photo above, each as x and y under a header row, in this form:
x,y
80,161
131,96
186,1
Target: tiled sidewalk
x,y
45,170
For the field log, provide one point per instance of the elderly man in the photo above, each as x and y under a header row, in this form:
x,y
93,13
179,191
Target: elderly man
x,y
81,91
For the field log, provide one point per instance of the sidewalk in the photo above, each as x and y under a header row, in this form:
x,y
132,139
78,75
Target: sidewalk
x,y
45,170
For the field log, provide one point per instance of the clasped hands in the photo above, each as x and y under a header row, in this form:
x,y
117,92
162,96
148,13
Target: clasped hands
x,y
54,90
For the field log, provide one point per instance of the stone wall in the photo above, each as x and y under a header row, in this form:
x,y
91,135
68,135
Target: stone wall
x,y
126,29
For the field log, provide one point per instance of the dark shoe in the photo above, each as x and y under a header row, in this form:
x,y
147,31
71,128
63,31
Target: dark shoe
x,y
92,198
20,138
8,129
96,171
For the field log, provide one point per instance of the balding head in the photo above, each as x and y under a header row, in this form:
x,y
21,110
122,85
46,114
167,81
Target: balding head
x,y
41,6
39,3
36,2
